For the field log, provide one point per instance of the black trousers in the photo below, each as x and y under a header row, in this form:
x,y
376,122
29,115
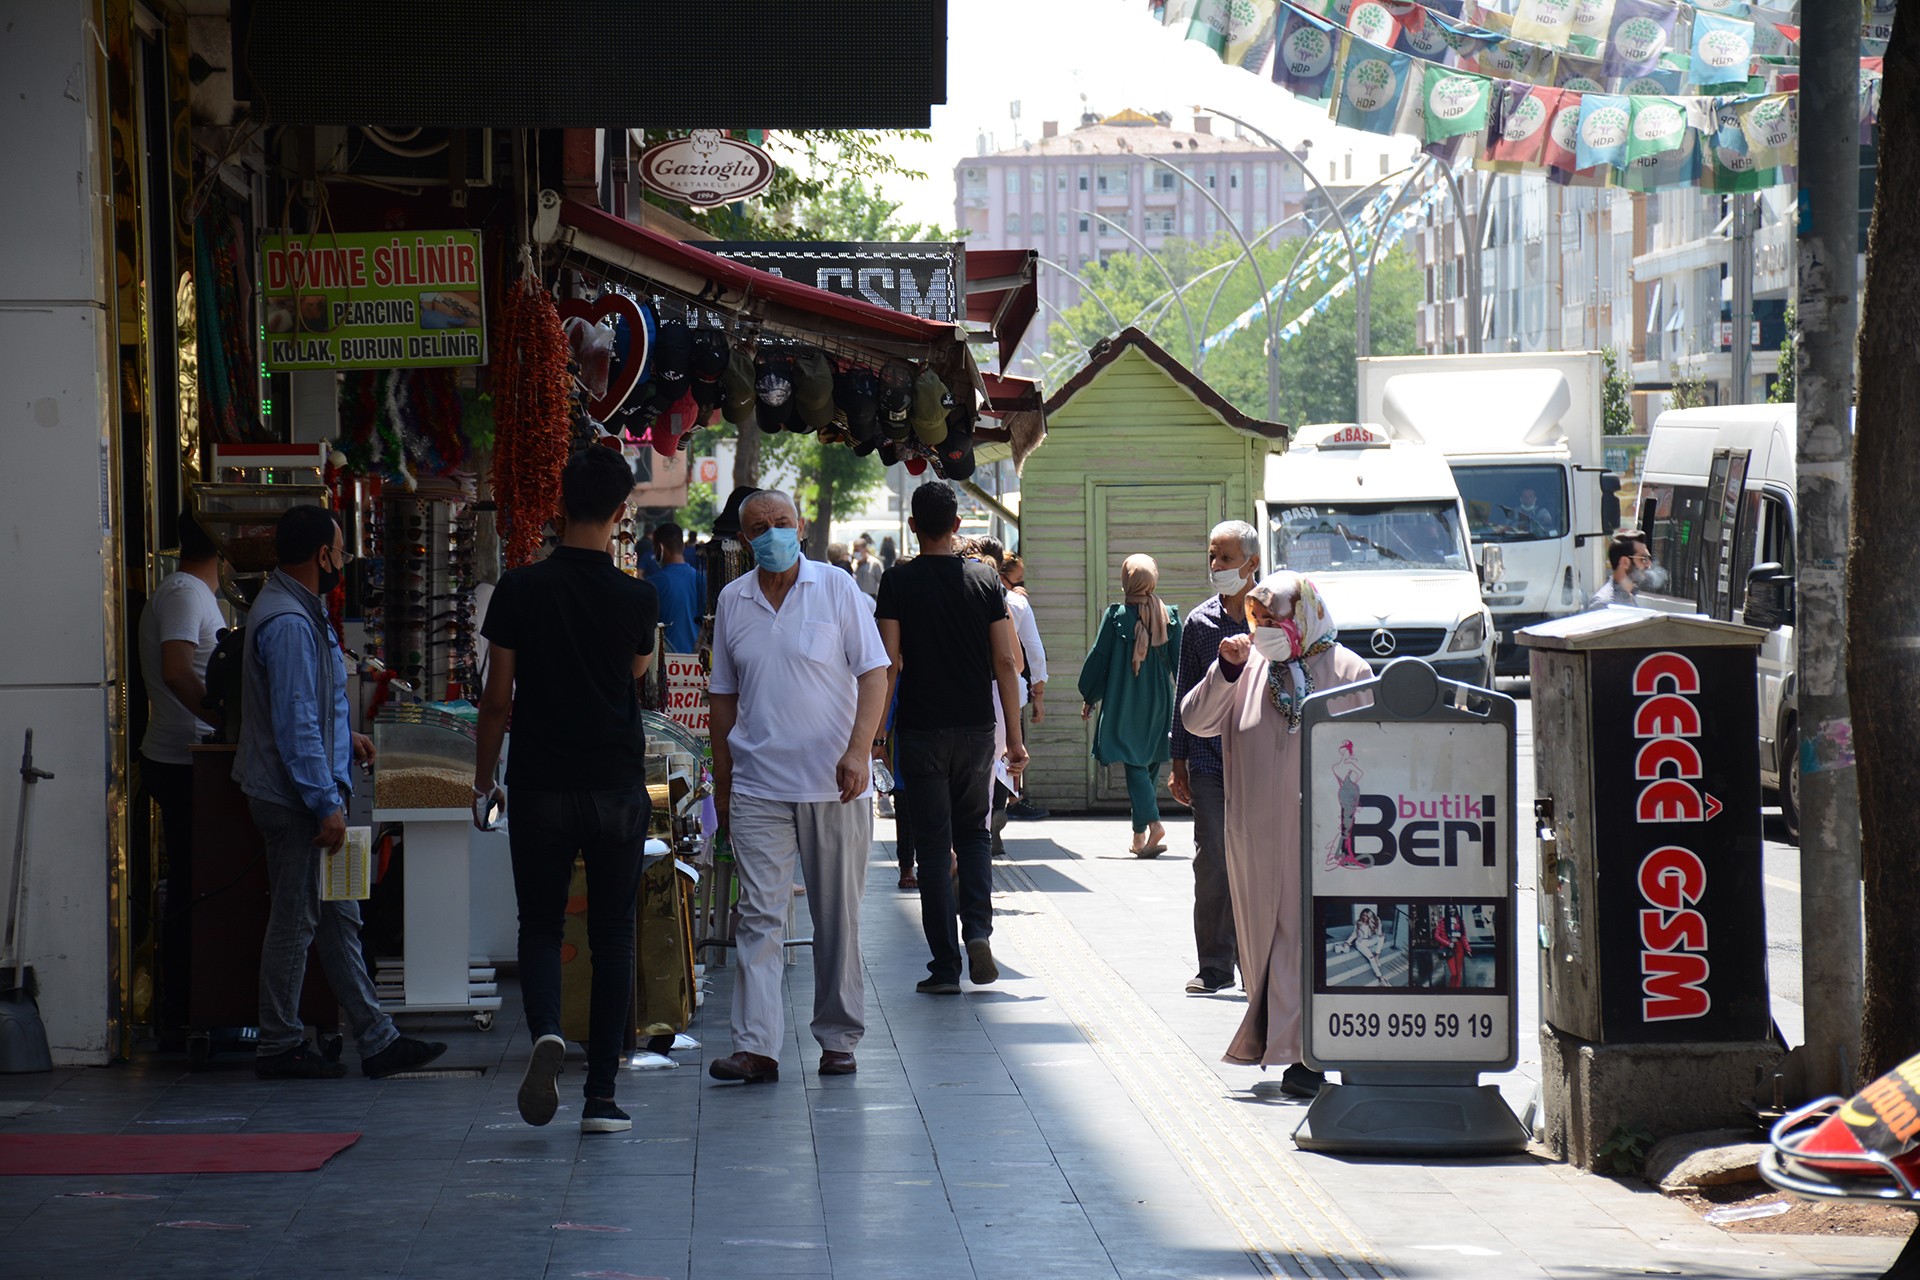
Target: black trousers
x,y
171,786
947,775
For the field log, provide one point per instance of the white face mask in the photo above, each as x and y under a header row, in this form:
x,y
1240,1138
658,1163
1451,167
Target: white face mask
x,y
1229,581
1274,644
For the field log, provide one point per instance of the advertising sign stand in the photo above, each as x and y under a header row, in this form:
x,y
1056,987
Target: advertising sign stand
x,y
1408,896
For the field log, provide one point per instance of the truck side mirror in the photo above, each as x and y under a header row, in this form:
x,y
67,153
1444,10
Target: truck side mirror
x,y
1769,599
1610,500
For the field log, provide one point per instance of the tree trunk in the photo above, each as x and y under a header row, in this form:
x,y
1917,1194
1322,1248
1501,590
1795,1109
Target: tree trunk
x,y
1883,662
820,531
746,459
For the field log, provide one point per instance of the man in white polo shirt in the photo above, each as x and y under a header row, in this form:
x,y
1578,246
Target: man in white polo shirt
x,y
799,684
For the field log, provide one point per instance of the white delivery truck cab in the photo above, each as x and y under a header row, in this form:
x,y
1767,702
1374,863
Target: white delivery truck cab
x,y
1522,433
1716,503
1377,523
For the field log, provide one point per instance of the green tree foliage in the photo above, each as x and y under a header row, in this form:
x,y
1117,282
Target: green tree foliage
x,y
1782,391
1316,368
1689,389
1616,394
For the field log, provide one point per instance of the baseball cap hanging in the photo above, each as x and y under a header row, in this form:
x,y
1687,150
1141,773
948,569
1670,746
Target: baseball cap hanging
x,y
896,399
673,424
710,360
773,390
857,393
931,404
672,357
736,387
813,388
956,451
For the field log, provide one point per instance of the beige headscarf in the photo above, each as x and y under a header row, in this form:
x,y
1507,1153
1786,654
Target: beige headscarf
x,y
1139,575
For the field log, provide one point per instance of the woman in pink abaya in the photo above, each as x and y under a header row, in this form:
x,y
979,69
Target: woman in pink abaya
x,y
1251,697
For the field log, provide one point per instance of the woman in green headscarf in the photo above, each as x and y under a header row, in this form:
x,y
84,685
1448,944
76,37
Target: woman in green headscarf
x,y
1129,676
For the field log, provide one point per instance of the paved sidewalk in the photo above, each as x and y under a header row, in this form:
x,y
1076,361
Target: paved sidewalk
x,y
1070,1121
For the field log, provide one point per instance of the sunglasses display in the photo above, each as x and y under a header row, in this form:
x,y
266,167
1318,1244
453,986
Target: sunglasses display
x,y
416,597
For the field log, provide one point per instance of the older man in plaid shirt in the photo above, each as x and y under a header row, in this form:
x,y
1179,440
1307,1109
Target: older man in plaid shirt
x,y
1233,565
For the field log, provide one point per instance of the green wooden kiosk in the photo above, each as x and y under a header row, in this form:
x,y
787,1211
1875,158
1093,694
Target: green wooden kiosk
x,y
1140,455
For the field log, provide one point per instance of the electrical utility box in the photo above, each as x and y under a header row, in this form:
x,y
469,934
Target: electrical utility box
x,y
1652,927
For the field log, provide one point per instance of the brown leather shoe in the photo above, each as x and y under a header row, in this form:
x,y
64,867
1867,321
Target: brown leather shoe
x,y
835,1063
747,1068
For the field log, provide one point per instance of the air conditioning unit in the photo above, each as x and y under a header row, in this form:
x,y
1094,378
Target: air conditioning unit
x,y
409,157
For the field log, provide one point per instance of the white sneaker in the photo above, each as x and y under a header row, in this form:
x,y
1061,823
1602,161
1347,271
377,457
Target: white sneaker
x,y
539,1097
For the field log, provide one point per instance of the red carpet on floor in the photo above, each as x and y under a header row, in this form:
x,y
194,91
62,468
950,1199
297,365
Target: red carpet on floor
x,y
57,1154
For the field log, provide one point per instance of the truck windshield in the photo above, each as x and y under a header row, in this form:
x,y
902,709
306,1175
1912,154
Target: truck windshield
x,y
1389,536
1513,504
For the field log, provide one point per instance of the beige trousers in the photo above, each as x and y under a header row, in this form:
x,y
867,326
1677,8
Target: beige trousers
x,y
831,841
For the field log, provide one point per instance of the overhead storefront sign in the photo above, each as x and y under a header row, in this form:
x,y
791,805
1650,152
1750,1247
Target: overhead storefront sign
x,y
373,300
925,280
706,168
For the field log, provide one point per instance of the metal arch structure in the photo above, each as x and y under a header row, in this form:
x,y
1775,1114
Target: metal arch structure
x,y
1363,287
1353,267
1154,258
1273,341
1085,288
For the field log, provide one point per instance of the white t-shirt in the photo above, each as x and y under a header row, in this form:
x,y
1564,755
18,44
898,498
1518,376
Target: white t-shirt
x,y
182,608
1029,633
796,674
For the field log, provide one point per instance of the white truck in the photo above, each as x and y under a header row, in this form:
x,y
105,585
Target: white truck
x,y
1522,433
1378,524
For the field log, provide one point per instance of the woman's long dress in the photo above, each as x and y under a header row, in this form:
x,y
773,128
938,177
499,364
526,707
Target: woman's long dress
x,y
1263,840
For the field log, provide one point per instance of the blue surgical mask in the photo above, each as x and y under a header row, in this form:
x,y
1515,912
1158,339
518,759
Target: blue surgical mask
x,y
777,550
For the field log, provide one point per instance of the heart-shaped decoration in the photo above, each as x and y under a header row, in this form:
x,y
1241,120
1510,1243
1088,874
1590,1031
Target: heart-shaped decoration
x,y
617,307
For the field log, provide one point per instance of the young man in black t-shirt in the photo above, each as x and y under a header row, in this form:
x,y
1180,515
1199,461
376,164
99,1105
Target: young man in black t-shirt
x,y
570,635
953,648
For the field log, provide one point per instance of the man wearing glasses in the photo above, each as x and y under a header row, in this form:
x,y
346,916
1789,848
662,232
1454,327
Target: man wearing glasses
x,y
1627,556
295,764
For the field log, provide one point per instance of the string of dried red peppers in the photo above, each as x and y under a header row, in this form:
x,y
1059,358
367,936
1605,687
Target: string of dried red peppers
x,y
531,418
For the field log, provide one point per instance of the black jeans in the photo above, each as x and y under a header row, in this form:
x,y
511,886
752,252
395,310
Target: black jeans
x,y
171,786
948,778
546,830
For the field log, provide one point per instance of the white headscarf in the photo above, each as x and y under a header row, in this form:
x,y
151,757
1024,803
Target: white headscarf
x,y
1302,614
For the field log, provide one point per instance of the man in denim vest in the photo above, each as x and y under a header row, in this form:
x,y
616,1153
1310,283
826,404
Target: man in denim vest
x,y
294,763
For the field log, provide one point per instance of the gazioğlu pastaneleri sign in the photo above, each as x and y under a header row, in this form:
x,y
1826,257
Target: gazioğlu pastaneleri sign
x,y
706,168
373,300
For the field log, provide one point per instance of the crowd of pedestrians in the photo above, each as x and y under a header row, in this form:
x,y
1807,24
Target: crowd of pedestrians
x,y
931,664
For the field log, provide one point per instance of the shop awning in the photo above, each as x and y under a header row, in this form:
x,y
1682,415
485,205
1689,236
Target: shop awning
x,y
602,244
1002,294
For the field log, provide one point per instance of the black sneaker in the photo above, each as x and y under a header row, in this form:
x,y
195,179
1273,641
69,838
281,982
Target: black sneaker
x,y
1027,809
1208,981
981,969
539,1099
600,1115
937,987
297,1063
404,1054
1301,1081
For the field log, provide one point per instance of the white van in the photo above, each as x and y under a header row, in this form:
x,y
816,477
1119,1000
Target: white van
x,y
1716,502
1379,526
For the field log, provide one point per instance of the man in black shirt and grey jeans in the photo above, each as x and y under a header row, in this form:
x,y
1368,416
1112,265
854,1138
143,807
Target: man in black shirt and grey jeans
x,y
953,648
569,636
